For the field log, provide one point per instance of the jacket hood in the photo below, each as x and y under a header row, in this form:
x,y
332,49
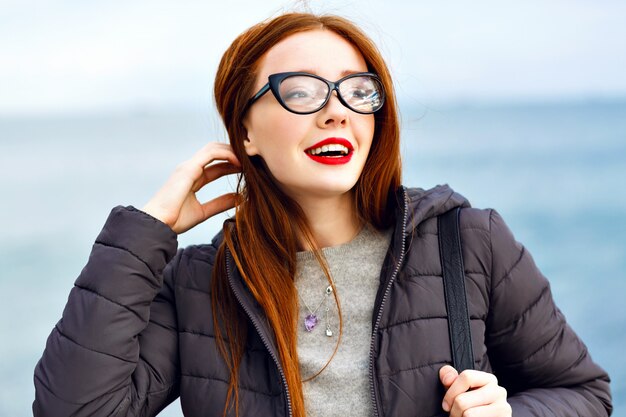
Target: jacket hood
x,y
425,204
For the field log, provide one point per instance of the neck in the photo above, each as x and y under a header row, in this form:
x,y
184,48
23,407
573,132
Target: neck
x,y
333,220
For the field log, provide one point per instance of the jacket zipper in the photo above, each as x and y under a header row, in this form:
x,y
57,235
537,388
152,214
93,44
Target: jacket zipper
x,y
382,304
258,330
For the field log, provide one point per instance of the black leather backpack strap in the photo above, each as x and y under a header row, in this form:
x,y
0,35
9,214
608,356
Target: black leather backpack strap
x,y
454,289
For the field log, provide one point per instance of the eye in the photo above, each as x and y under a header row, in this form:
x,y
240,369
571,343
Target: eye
x,y
359,89
302,88
297,93
360,93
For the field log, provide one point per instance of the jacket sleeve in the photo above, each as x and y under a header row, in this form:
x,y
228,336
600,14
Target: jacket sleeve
x,y
115,350
536,356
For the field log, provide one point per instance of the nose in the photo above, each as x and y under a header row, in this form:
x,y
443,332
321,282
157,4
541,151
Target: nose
x,y
334,114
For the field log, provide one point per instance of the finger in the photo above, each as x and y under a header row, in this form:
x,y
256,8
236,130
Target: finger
x,y
219,204
213,172
485,395
447,375
466,380
214,151
188,173
499,409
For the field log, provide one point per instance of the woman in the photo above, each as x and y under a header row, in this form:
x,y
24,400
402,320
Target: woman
x,y
263,321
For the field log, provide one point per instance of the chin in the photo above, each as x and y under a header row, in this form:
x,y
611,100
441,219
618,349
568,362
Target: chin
x,y
331,190
317,184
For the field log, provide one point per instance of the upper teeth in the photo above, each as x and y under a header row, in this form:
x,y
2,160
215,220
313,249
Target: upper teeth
x,y
329,148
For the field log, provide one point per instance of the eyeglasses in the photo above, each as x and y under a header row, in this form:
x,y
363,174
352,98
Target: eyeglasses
x,y
304,93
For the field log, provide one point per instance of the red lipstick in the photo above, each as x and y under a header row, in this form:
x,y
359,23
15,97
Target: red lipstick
x,y
331,160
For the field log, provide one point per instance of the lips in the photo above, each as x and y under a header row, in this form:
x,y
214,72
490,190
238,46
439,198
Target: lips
x,y
331,151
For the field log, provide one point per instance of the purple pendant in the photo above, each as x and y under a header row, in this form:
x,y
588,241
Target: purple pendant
x,y
310,322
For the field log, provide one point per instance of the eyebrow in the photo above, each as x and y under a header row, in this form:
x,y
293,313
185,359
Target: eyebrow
x,y
343,73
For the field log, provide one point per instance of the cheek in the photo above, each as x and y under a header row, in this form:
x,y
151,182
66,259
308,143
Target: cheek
x,y
364,131
277,136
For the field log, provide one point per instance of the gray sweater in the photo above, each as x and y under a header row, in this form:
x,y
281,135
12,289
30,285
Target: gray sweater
x,y
343,387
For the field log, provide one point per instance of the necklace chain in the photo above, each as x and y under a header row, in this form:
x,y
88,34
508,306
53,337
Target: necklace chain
x,y
311,320
329,290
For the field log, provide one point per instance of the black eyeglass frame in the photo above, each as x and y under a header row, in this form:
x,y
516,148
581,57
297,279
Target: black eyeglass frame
x,y
274,81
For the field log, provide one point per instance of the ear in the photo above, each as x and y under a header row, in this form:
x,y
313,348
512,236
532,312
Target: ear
x,y
250,146
249,143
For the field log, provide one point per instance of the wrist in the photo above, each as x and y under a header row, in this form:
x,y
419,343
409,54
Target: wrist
x,y
156,214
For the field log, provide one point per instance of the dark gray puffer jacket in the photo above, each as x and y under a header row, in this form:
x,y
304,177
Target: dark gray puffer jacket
x,y
137,331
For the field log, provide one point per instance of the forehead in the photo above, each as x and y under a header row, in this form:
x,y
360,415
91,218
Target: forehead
x,y
322,52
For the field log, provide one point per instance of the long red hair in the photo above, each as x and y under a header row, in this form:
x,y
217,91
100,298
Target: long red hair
x,y
263,242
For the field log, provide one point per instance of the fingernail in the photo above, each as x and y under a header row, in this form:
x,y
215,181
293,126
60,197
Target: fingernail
x,y
445,406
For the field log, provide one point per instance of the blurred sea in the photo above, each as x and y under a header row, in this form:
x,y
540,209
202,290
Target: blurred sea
x,y
556,172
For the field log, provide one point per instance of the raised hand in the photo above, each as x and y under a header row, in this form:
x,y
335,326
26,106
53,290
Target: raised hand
x,y
473,394
176,205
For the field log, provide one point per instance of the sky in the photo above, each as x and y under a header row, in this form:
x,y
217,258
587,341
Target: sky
x,y
71,56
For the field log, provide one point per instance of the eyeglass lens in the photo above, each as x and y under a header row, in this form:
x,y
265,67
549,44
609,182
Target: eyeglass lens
x,y
302,93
